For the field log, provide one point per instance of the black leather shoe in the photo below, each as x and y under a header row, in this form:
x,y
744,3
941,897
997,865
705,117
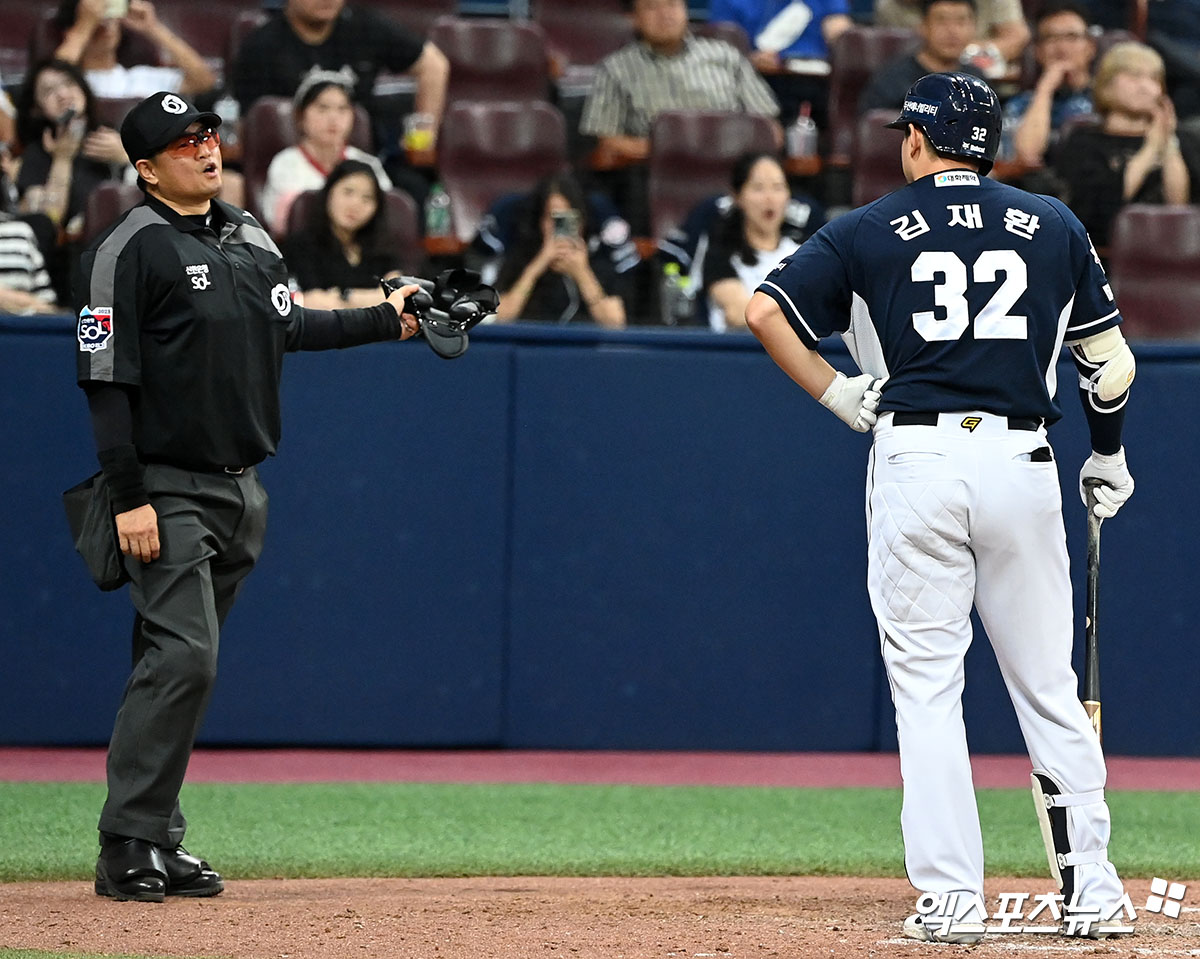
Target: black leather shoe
x,y
131,869
189,876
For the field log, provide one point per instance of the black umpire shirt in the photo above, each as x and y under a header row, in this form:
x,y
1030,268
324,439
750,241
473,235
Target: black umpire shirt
x,y
192,316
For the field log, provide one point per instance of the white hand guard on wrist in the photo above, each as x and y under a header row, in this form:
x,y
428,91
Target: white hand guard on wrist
x,y
1111,470
854,399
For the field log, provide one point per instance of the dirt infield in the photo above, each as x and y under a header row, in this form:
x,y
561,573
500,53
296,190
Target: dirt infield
x,y
599,918
523,918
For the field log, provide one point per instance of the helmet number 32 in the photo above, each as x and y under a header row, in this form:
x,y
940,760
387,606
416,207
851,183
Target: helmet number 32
x,y
948,274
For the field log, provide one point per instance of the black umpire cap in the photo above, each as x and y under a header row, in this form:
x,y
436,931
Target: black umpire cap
x,y
156,121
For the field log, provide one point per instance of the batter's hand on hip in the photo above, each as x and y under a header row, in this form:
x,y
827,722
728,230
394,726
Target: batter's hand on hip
x,y
1113,474
137,533
854,399
409,324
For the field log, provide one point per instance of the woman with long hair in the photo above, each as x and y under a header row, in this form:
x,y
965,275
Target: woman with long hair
x,y
323,112
749,241
65,152
557,269
1133,155
339,256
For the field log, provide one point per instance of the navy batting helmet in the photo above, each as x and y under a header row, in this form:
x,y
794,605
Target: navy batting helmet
x,y
958,112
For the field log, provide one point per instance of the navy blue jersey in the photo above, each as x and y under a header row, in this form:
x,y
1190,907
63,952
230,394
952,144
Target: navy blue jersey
x,y
960,289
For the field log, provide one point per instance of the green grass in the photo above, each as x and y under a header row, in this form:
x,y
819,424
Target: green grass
x,y
47,830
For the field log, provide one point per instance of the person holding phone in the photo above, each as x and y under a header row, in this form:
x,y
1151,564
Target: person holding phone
x,y
65,155
97,35
66,152
557,271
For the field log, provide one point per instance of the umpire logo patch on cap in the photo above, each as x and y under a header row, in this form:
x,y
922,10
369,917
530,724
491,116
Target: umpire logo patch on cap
x,y
95,328
173,104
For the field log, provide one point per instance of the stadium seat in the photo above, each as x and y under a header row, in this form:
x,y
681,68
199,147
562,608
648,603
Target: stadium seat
x,y
104,204
1154,266
18,21
856,54
488,149
731,33
403,230
876,169
206,26
579,34
417,15
493,58
110,111
268,128
244,23
692,153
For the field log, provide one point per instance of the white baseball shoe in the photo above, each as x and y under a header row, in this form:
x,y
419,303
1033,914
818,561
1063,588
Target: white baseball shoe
x,y
1100,929
960,933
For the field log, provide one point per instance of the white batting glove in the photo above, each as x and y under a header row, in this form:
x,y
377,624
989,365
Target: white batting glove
x,y
1111,470
854,399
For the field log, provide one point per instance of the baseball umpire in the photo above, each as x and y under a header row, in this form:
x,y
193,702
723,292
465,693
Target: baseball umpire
x,y
955,295
184,317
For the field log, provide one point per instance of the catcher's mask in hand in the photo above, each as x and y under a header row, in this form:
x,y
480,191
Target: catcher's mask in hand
x,y
447,308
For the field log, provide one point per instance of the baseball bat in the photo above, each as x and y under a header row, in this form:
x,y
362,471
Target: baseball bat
x,y
1091,669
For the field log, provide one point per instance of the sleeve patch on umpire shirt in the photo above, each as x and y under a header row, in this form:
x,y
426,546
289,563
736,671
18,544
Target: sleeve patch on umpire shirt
x,y
95,328
281,299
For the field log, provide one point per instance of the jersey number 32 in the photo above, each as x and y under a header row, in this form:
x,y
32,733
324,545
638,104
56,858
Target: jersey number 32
x,y
948,274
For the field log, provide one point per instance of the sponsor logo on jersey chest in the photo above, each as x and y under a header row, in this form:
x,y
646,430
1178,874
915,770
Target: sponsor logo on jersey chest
x,y
198,274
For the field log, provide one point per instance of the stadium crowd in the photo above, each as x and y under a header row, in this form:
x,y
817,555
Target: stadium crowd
x,y
617,162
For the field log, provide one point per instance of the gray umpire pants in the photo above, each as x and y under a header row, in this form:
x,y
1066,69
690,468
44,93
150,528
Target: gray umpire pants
x,y
210,527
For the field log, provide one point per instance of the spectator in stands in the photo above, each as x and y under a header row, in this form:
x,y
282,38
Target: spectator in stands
x,y
8,119
339,256
1173,29
1065,50
93,42
947,27
748,241
783,30
999,23
666,68
324,117
687,245
500,226
309,35
65,155
24,283
1133,156
559,269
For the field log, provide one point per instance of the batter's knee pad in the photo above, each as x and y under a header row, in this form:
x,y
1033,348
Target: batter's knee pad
x,y
1054,816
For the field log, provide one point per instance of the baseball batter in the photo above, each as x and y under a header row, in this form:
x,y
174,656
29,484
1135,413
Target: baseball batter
x,y
955,296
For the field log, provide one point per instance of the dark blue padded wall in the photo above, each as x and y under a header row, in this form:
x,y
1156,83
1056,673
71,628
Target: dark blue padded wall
x,y
375,615
64,645
568,539
673,538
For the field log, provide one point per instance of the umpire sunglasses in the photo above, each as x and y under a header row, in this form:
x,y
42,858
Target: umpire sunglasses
x,y
189,144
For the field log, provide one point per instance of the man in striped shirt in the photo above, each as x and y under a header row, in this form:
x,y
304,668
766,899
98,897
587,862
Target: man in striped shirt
x,y
667,68
24,283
